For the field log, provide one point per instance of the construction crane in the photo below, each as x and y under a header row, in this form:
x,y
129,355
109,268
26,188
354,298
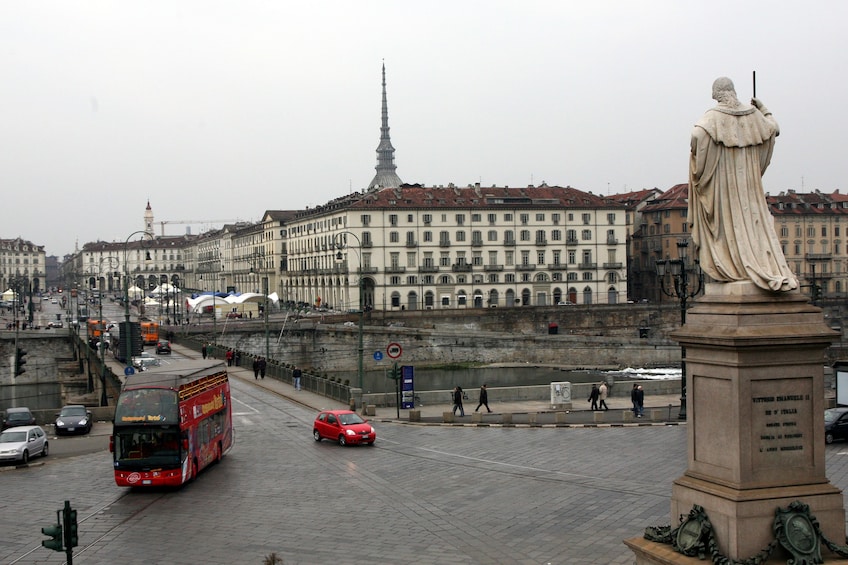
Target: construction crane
x,y
193,223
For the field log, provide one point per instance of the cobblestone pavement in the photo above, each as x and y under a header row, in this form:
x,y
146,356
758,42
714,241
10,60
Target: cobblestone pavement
x,y
423,494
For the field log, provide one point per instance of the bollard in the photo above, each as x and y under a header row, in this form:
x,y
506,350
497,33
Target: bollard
x,y
626,415
447,417
476,417
371,410
532,418
415,415
561,417
598,417
507,418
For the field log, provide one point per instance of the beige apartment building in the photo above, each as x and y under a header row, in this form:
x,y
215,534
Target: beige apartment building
x,y
417,247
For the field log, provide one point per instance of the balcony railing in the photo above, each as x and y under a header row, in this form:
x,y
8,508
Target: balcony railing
x,y
613,265
557,267
571,241
429,268
367,270
493,267
476,243
509,242
461,267
586,265
444,243
525,267
393,269
818,256
541,242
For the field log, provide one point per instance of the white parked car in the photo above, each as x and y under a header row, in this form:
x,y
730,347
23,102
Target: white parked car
x,y
145,361
22,442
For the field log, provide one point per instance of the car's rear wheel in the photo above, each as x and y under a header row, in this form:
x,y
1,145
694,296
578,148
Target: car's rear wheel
x,y
828,438
25,457
45,450
342,440
370,443
316,434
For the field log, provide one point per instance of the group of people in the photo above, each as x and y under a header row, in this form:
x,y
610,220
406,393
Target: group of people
x,y
259,366
233,358
598,397
458,396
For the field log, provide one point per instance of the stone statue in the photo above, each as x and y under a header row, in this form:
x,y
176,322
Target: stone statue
x,y
732,228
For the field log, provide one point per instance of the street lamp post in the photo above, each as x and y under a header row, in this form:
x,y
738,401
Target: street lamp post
x,y
340,258
680,271
126,341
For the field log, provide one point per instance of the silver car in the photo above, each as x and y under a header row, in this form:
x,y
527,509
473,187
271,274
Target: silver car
x,y
21,443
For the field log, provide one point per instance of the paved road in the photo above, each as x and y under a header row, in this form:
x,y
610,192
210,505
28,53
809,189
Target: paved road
x,y
423,494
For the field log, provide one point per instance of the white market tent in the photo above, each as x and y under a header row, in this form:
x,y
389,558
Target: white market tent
x,y
134,292
196,305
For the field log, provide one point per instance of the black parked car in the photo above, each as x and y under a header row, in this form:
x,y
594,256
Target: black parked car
x,y
163,346
72,419
20,416
835,424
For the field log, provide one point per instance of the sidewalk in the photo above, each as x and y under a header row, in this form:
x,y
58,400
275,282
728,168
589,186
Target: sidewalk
x,y
658,408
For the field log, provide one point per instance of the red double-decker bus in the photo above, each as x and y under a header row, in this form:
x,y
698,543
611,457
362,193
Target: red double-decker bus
x,y
171,421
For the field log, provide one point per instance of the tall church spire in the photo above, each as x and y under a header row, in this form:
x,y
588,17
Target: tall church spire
x,y
386,176
148,221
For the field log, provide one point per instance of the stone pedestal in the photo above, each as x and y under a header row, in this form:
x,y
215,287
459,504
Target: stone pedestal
x,y
754,370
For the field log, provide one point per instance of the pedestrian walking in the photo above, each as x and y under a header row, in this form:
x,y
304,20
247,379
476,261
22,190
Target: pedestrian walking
x,y
256,368
640,401
296,375
593,397
457,401
484,398
262,365
204,351
238,358
634,400
602,396
229,356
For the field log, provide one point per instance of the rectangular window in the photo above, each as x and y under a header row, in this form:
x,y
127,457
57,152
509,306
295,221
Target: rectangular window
x,y
509,278
394,237
411,259
410,218
492,235
556,218
444,259
540,257
508,257
524,218
393,219
428,236
460,236
460,219
540,217
365,219
507,217
475,217
428,218
587,219
492,218
611,219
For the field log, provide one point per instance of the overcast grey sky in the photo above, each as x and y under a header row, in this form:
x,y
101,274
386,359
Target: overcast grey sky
x,y
221,110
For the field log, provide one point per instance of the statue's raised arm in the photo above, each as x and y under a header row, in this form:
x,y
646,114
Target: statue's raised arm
x,y
732,228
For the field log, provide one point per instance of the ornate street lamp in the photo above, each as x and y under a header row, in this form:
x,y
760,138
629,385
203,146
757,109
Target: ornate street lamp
x,y
680,271
126,341
342,244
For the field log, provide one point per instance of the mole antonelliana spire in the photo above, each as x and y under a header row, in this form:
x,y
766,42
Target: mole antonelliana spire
x,y
386,176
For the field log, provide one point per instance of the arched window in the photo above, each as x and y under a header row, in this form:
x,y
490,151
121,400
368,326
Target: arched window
x,y
612,295
587,295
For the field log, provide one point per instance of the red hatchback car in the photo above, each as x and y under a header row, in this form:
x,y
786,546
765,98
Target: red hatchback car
x,y
344,426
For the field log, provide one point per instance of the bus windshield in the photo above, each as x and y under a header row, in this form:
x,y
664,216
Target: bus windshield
x,y
150,405
147,447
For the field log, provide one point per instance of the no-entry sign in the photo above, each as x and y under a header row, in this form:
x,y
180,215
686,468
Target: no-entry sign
x,y
394,350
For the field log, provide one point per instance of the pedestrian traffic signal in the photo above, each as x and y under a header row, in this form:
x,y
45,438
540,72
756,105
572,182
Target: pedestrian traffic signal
x,y
71,536
55,541
20,361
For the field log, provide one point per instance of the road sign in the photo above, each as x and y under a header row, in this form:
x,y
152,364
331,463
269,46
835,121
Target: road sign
x,y
394,350
129,371
378,356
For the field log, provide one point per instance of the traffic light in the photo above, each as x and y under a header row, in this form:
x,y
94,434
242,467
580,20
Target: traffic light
x,y
20,361
55,533
395,372
71,535
817,292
